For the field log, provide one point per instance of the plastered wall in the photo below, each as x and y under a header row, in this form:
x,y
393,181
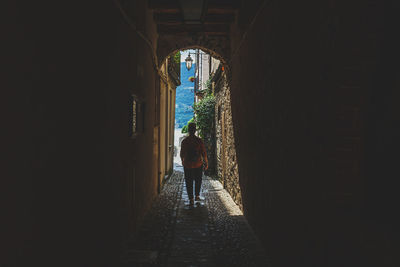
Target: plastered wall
x,y
76,183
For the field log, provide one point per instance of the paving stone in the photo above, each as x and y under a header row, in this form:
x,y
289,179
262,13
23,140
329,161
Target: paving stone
x,y
213,232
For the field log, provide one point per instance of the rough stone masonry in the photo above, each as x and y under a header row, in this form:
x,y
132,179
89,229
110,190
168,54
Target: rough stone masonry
x,y
227,166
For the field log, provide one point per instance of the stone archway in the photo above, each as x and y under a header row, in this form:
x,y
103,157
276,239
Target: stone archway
x,y
224,149
216,46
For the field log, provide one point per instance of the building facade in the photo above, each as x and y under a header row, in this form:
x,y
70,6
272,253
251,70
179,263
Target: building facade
x,y
166,127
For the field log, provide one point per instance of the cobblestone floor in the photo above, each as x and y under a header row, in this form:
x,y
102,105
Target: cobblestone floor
x,y
213,232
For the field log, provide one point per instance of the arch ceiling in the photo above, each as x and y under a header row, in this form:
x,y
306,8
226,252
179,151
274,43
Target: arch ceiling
x,y
194,23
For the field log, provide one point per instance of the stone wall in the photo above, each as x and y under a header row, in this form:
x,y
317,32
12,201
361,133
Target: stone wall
x,y
300,78
227,167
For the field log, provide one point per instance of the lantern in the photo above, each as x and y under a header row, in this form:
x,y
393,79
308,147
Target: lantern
x,y
189,62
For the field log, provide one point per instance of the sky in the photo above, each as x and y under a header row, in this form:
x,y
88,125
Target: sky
x,y
185,53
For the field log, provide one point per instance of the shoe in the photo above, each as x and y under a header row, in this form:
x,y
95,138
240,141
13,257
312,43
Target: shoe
x,y
191,201
198,198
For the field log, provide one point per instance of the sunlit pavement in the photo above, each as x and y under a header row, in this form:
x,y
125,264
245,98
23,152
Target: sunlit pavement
x,y
212,232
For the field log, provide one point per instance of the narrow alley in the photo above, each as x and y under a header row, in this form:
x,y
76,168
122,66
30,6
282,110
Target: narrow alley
x,y
302,100
213,232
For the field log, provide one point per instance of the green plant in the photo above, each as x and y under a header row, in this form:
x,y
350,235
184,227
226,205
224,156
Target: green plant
x,y
204,111
208,86
208,90
177,58
185,128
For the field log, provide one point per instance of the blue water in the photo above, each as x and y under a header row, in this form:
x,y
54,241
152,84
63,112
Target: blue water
x,y
184,97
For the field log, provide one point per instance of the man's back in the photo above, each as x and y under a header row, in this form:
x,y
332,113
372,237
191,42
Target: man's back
x,y
192,151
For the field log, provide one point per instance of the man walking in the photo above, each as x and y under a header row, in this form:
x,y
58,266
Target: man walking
x,y
193,154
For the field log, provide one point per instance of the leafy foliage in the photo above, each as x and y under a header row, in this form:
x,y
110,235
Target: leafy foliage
x,y
177,58
185,128
208,87
204,111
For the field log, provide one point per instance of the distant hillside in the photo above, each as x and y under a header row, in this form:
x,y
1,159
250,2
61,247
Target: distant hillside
x,y
184,97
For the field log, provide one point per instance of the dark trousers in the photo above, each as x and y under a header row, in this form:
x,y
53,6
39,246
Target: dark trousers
x,y
190,176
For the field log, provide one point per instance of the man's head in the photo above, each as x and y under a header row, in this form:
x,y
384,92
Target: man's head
x,y
192,128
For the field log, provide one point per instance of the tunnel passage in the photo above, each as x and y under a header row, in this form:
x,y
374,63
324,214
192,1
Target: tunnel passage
x,y
314,90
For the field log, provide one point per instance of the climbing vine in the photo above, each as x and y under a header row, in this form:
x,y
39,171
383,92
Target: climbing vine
x,y
177,58
185,128
204,119
208,90
204,113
